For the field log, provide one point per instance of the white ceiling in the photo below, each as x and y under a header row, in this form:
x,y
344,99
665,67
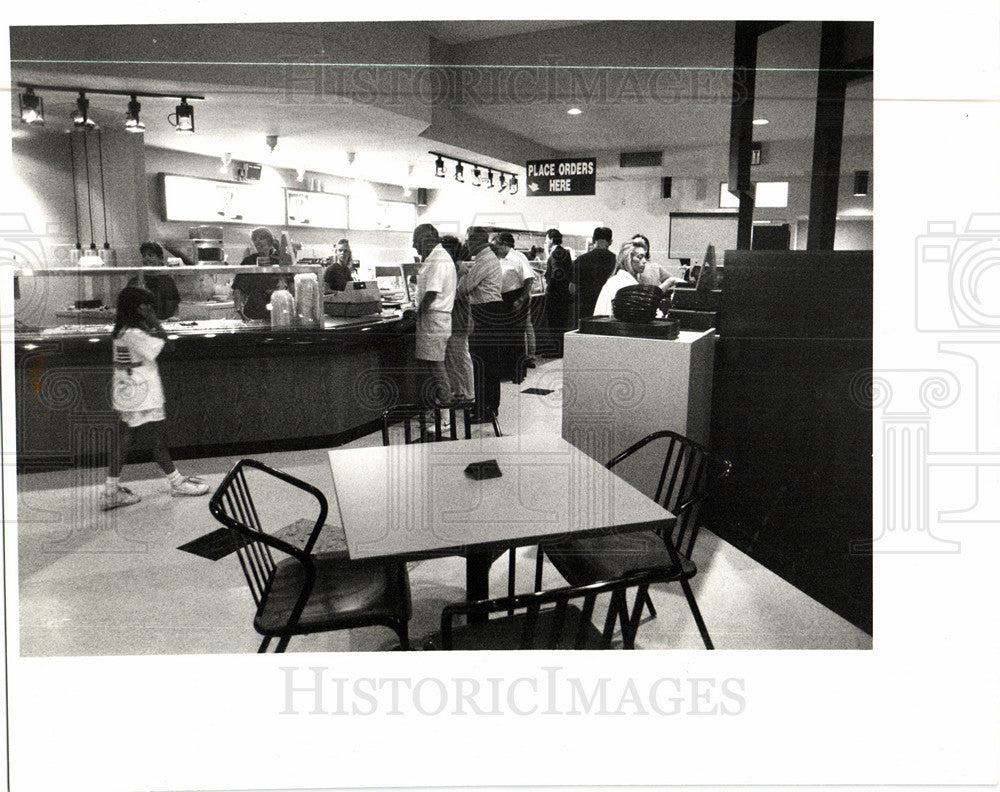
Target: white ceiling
x,y
515,108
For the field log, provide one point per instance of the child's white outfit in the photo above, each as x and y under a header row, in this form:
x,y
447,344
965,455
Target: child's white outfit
x,y
136,390
137,396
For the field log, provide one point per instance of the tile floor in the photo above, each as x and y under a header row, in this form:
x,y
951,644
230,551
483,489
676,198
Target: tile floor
x,y
113,583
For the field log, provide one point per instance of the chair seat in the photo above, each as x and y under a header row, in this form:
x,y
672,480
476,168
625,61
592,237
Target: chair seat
x,y
505,633
583,561
331,541
344,593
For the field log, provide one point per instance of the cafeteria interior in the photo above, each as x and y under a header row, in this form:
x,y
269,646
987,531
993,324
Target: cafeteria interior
x,y
95,583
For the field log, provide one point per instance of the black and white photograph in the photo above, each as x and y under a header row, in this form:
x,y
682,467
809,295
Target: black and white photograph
x,y
504,377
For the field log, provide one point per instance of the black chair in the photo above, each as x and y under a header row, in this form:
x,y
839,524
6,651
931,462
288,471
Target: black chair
x,y
689,473
407,414
410,414
300,592
546,619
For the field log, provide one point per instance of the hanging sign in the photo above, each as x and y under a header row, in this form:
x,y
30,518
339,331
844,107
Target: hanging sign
x,y
561,176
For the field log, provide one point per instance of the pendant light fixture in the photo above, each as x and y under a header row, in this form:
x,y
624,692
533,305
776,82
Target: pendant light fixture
x,y
132,122
512,189
81,115
108,254
503,183
489,179
459,173
182,118
439,168
477,177
31,107
77,251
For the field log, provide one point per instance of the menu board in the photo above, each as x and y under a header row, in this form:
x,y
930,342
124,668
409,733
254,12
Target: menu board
x,y
192,199
367,214
321,210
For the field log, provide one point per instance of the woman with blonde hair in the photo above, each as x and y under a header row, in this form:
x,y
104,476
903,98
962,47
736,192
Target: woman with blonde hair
x,y
629,266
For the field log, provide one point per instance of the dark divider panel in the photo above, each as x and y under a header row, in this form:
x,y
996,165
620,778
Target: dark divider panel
x,y
789,410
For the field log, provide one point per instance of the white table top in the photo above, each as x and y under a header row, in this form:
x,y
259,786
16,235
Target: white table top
x,y
416,501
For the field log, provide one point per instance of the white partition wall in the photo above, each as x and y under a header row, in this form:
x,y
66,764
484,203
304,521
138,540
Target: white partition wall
x,y
617,390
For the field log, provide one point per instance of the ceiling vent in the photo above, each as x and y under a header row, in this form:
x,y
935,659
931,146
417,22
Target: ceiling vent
x,y
641,159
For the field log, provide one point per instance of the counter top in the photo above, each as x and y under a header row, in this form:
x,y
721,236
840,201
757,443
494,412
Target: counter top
x,y
206,329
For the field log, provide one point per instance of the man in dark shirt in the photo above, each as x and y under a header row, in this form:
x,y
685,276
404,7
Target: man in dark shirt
x,y
592,271
162,287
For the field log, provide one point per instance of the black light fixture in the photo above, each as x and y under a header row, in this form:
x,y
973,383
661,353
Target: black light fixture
x,y
32,108
861,183
81,115
132,122
183,118
32,111
508,181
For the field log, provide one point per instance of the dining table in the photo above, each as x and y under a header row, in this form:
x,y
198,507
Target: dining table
x,y
421,500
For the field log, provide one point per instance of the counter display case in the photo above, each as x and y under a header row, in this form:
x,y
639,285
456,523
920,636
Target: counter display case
x,y
231,387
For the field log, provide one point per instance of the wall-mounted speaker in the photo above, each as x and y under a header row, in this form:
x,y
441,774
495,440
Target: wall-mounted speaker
x,y
666,183
421,196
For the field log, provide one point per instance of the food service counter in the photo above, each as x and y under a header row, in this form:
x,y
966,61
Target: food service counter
x,y
231,387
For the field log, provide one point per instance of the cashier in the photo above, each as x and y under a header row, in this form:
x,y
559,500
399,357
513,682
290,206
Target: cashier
x,y
163,288
339,272
252,290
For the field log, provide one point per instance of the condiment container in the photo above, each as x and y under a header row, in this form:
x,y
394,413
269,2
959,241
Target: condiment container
x,y
308,300
282,308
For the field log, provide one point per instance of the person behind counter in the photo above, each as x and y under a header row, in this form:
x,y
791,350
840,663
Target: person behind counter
x,y
162,287
252,290
340,271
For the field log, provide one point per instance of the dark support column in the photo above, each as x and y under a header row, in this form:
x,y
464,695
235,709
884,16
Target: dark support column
x,y
741,126
741,122
828,139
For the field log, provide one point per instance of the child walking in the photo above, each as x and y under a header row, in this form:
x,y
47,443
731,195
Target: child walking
x,y
137,396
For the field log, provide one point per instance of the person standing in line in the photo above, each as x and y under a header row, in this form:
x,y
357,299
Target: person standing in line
x,y
481,283
435,298
630,264
592,270
457,360
515,289
655,274
137,396
559,291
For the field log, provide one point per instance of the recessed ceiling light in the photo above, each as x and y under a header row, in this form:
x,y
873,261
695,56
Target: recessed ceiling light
x,y
759,121
574,111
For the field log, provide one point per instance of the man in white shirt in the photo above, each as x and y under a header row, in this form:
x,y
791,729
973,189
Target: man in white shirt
x,y
515,287
436,283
